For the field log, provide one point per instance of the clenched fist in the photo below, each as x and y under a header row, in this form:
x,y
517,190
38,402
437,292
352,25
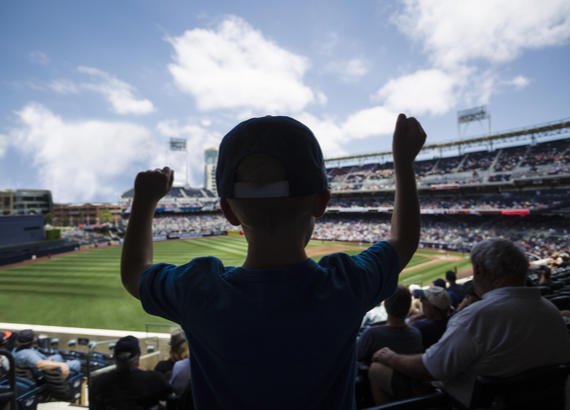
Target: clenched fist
x,y
409,138
153,185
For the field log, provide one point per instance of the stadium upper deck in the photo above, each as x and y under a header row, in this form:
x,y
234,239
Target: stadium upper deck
x,y
511,160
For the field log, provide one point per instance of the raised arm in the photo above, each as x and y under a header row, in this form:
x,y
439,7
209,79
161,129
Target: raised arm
x,y
409,137
150,186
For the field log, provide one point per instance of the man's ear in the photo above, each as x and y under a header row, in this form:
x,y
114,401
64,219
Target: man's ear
x,y
228,212
320,203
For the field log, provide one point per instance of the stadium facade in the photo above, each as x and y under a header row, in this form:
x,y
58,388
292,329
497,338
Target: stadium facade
x,y
210,161
26,202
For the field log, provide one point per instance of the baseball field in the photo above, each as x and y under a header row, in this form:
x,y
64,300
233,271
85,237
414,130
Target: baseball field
x,y
83,289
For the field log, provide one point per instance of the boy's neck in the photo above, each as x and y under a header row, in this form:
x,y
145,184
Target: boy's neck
x,y
268,252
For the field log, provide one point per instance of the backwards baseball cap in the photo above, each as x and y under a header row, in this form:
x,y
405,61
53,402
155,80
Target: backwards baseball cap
x,y
282,138
127,348
436,296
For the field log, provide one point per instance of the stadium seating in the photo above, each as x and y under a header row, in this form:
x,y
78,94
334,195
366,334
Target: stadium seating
x,y
505,165
539,235
540,388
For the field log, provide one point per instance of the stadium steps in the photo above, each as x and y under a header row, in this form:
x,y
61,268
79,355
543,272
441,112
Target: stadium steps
x,y
460,165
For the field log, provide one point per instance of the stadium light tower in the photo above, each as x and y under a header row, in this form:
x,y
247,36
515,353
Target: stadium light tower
x,y
179,144
469,115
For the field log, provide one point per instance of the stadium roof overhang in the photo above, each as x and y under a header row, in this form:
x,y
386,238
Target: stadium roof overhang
x,y
533,132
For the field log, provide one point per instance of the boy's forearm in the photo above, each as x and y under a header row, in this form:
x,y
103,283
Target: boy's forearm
x,y
137,248
405,225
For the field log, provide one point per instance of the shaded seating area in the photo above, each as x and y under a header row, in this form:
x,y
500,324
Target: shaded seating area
x,y
539,388
18,392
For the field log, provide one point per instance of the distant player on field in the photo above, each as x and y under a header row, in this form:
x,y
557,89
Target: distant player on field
x,y
278,332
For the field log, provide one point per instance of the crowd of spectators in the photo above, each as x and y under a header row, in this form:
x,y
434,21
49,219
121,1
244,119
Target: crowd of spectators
x,y
540,236
505,200
191,224
548,158
492,337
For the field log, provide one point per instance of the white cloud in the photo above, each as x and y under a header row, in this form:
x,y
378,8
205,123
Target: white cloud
x,y
334,135
328,43
197,140
236,67
81,160
458,32
350,70
38,57
369,122
425,91
328,132
63,87
465,42
519,82
3,144
117,92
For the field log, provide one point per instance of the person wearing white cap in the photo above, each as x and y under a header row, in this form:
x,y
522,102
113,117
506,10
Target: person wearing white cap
x,y
435,307
510,330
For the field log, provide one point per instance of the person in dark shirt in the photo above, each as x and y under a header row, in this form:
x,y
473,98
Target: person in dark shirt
x,y
127,387
456,292
395,333
435,307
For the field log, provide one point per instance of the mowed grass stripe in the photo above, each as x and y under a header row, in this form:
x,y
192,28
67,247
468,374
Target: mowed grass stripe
x,y
214,246
425,276
84,289
235,243
72,292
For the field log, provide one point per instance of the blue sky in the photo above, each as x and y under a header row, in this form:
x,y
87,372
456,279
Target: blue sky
x,y
92,91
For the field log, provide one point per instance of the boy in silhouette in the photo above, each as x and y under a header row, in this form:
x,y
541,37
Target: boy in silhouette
x,y
280,330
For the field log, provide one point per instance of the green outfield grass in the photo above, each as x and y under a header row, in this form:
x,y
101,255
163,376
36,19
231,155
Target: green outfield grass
x,y
84,289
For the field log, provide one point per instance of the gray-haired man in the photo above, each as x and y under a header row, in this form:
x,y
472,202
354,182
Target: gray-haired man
x,y
512,329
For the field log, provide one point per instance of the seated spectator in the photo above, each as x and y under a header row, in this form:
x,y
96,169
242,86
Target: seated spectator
x,y
180,379
375,315
178,351
416,306
127,386
470,296
4,362
455,291
395,334
512,329
29,357
435,307
439,282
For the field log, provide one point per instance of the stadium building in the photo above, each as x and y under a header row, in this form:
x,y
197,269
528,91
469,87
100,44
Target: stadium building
x,y
85,214
26,202
210,161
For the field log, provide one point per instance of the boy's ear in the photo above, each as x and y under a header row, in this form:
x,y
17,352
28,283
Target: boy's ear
x,y
228,212
320,203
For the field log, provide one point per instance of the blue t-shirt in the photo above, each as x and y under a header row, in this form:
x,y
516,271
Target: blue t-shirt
x,y
274,338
